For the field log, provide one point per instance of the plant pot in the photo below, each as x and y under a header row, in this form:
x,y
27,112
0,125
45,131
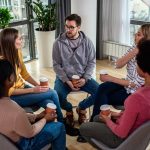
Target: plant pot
x,y
44,42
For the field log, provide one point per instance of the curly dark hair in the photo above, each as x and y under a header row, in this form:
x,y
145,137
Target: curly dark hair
x,y
143,56
6,70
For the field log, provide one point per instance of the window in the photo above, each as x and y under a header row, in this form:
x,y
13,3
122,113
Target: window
x,y
25,27
139,11
16,7
139,14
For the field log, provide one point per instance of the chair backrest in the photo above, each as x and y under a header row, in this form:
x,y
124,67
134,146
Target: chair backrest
x,y
138,140
6,144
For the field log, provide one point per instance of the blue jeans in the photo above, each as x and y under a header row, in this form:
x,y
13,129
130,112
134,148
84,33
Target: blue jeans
x,y
63,90
39,99
109,93
53,132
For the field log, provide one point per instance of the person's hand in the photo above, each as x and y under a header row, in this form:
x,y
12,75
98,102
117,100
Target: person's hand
x,y
72,87
50,116
81,82
40,116
105,77
40,89
104,118
116,115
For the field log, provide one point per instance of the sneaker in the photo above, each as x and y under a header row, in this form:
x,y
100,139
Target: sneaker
x,y
69,118
71,130
82,115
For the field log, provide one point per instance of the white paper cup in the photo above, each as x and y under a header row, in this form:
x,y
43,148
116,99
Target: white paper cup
x,y
43,81
105,110
75,78
103,71
50,108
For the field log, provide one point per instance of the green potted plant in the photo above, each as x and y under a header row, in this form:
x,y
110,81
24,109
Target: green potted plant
x,y
45,15
5,17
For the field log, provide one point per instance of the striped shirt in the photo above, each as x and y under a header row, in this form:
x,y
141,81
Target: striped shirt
x,y
132,74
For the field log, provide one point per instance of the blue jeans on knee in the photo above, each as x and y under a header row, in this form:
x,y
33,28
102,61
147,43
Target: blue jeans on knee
x,y
52,133
39,99
63,90
109,93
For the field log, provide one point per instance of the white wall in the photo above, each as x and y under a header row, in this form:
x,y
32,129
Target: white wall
x,y
87,10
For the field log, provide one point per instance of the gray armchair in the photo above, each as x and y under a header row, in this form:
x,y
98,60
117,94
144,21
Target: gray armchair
x,y
138,140
6,144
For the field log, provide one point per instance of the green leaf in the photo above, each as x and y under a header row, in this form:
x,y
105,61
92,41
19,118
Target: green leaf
x,y
5,17
45,14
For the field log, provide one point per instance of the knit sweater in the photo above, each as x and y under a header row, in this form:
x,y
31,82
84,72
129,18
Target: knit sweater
x,y
14,122
137,112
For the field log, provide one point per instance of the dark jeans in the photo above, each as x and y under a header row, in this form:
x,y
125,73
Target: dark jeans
x,y
109,93
52,133
39,99
63,90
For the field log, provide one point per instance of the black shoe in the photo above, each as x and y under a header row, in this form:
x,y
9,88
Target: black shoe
x,y
51,148
81,139
71,130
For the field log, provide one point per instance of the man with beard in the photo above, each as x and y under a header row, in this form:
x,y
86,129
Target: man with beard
x,y
74,54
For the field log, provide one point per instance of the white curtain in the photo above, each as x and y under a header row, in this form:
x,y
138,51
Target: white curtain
x,y
116,21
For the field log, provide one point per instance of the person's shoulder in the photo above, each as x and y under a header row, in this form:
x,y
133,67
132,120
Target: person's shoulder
x,y
141,94
10,105
131,48
60,38
85,37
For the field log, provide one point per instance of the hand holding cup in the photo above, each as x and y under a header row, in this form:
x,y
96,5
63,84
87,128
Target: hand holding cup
x,y
43,81
51,111
75,79
105,110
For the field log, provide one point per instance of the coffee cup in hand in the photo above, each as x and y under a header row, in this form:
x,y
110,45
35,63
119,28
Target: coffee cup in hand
x,y
43,81
75,78
105,110
51,108
103,72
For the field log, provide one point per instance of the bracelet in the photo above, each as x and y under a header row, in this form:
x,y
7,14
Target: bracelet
x,y
129,86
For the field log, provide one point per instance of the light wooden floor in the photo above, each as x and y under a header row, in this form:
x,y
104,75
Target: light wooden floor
x,y
33,68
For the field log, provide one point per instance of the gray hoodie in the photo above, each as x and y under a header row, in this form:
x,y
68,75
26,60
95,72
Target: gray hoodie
x,y
67,62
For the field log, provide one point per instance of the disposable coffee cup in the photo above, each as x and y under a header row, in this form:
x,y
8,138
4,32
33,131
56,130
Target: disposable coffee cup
x,y
50,108
43,81
75,78
105,110
103,71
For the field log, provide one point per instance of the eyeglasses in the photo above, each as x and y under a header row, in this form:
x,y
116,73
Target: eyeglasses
x,y
70,28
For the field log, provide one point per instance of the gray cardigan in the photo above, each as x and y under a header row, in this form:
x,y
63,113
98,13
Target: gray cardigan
x,y
67,62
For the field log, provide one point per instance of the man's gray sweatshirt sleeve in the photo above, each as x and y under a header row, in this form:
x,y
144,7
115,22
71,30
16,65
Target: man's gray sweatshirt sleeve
x,y
91,61
57,64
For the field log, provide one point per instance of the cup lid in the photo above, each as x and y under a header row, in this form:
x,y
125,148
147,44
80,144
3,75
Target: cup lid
x,y
75,77
51,105
103,71
43,79
104,107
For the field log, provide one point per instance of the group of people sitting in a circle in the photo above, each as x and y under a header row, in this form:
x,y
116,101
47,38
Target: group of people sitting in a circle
x,y
73,54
